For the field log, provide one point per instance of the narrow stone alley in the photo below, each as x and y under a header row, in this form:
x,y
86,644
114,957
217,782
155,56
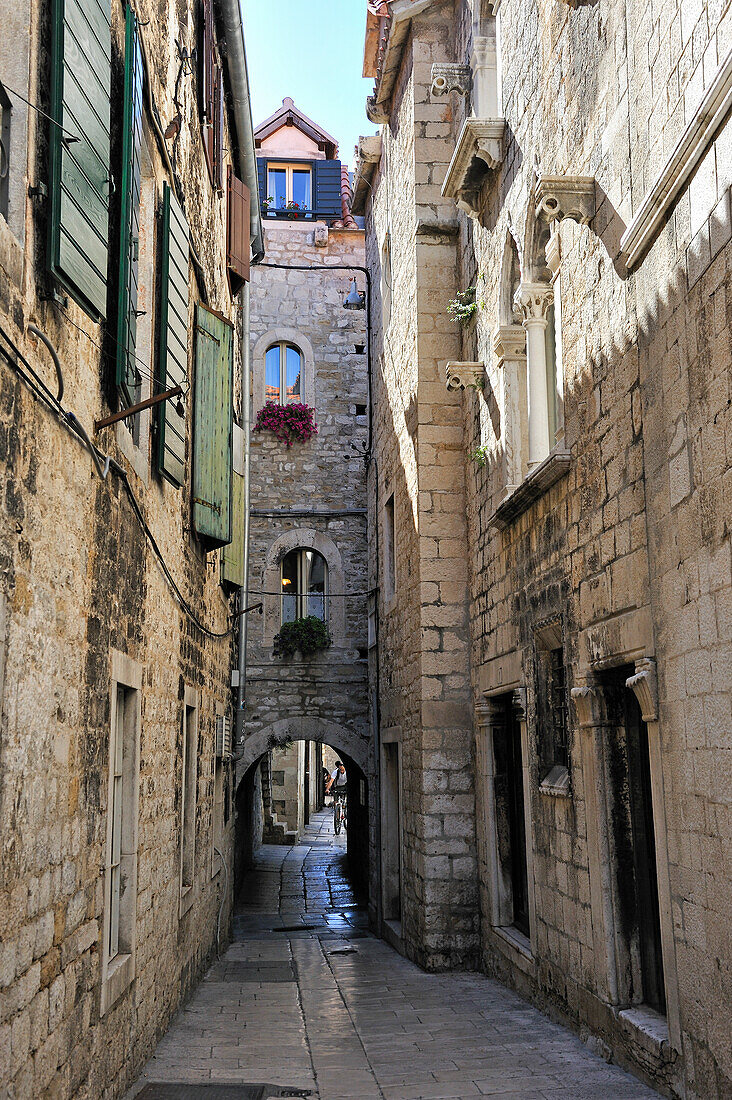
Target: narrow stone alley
x,y
306,1002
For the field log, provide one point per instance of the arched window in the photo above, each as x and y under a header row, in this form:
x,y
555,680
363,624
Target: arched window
x,y
304,585
283,374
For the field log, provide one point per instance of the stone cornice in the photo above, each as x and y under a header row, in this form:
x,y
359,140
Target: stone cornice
x,y
673,177
481,139
460,375
559,197
449,77
367,160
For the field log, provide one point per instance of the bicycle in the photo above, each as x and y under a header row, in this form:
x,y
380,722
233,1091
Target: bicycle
x,y
340,809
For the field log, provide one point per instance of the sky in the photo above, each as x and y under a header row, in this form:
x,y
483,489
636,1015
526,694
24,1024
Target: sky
x,y
311,50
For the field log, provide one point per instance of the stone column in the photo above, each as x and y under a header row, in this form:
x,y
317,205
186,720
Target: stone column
x,y
593,721
509,344
643,683
534,300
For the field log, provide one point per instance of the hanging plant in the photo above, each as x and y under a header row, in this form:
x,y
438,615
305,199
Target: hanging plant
x,y
289,423
308,635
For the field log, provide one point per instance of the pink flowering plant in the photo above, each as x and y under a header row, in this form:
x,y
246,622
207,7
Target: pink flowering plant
x,y
289,423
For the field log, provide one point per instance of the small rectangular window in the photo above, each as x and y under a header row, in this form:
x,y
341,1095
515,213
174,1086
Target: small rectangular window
x,y
558,707
289,189
389,550
188,805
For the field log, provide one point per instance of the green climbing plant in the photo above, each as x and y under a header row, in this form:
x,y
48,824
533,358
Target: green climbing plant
x,y
307,635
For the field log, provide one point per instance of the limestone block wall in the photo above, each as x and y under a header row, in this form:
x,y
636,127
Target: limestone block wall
x,y
312,495
81,593
624,557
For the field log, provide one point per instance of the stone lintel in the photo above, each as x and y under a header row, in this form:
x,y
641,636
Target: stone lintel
x,y
501,674
534,485
449,77
461,375
479,149
559,197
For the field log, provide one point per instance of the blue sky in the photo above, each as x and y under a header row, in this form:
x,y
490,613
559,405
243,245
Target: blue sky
x,y
311,50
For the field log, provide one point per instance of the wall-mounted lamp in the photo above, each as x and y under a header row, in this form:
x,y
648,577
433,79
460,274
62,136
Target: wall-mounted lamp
x,y
355,300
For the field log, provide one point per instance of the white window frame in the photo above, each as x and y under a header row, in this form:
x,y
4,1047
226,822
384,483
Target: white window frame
x,y
188,799
289,169
303,580
119,931
283,345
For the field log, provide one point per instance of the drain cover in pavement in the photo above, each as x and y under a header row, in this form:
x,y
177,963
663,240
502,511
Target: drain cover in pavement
x,y
296,927
173,1091
344,951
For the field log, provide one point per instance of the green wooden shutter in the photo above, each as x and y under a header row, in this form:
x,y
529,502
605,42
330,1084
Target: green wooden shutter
x,y
232,556
212,443
80,181
127,373
173,343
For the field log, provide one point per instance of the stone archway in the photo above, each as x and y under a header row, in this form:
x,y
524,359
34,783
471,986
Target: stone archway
x,y
303,728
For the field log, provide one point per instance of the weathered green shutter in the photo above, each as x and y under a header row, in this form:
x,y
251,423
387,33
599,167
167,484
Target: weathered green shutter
x,y
173,344
127,372
212,443
232,556
80,180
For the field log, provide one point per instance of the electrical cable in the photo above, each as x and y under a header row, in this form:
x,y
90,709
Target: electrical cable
x,y
103,463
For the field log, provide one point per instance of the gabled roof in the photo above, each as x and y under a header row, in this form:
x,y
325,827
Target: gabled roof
x,y
289,115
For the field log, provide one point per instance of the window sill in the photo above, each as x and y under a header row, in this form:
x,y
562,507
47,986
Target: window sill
x,y
534,485
515,946
647,1029
119,975
557,783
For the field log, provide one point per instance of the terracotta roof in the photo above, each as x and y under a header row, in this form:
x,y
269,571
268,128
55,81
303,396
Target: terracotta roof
x,y
346,220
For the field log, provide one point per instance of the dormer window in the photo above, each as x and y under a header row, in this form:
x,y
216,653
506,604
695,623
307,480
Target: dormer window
x,y
289,186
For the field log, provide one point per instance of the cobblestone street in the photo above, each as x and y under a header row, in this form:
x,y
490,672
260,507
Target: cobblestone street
x,y
305,999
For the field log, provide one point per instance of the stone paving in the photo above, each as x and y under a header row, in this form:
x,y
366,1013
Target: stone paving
x,y
306,999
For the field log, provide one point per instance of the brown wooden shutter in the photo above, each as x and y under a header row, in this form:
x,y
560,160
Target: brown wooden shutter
x,y
238,243
218,129
208,94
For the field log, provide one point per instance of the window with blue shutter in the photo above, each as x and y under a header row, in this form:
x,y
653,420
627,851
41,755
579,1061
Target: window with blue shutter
x,y
212,441
127,372
173,340
80,181
327,188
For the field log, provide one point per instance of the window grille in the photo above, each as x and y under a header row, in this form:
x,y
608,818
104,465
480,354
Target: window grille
x,y
558,707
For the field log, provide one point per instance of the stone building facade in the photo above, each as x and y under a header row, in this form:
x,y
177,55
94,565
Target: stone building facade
x,y
308,499
551,485
115,643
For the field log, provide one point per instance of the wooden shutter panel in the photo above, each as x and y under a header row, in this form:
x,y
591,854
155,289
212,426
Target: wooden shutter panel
x,y
79,169
262,178
238,227
212,441
327,188
218,129
232,556
127,372
173,343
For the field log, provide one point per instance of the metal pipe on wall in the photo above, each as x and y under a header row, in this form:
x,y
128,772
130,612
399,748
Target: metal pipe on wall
x,y
246,383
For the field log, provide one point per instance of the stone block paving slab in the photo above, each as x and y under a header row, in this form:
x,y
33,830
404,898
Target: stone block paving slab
x,y
326,1010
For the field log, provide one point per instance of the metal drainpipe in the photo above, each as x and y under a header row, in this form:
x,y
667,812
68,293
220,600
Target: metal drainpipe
x,y
243,591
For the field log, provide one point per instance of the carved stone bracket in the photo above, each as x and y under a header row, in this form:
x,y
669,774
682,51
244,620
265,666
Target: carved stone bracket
x,y
559,197
460,375
479,150
519,703
376,112
488,714
449,77
509,343
589,702
534,301
644,684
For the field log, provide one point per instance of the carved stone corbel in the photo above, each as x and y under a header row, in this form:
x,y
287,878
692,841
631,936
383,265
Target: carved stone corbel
x,y
509,344
479,140
461,375
644,685
450,77
376,112
589,702
519,703
559,197
534,301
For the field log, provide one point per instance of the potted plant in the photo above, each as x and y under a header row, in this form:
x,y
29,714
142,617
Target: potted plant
x,y
289,423
292,206
307,635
